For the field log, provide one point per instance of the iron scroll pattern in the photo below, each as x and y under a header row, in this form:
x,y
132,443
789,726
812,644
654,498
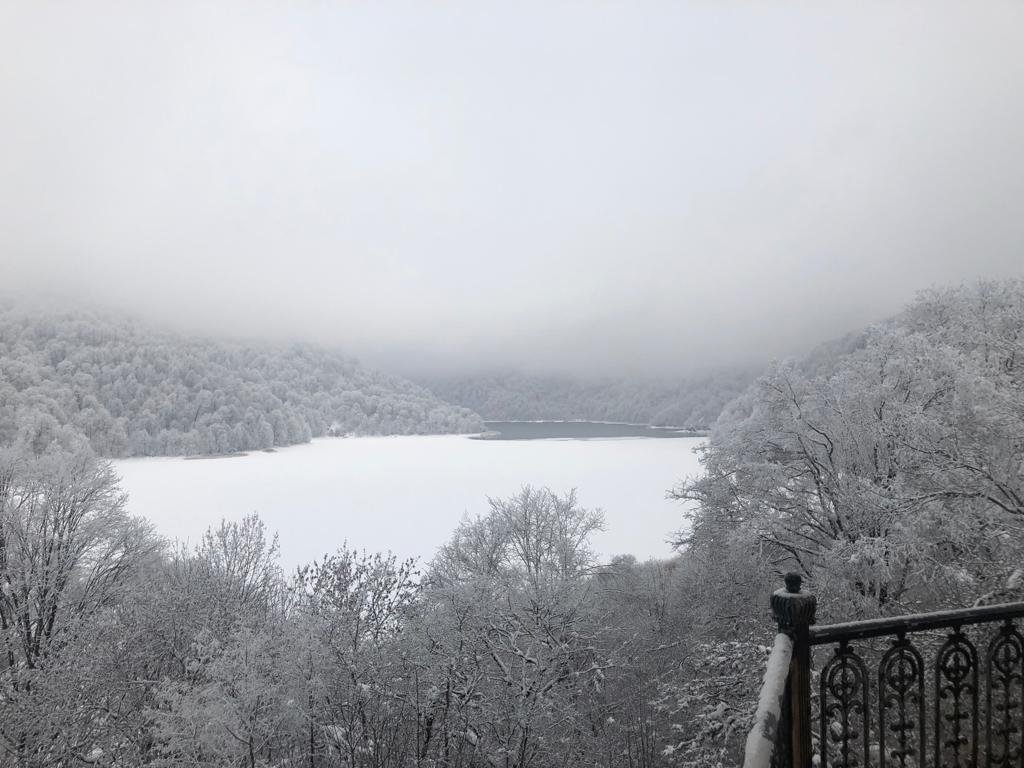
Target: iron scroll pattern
x,y
844,710
956,702
941,696
901,706
1004,729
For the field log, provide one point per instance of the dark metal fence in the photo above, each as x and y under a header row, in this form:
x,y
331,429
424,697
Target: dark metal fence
x,y
935,689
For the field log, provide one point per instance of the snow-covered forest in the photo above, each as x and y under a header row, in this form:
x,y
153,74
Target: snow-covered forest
x,y
133,391
136,391
887,469
693,402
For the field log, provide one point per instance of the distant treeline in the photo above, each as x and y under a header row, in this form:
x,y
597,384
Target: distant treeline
x,y
136,392
692,402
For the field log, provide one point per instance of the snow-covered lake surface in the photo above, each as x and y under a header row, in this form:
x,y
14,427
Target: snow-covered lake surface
x,y
407,494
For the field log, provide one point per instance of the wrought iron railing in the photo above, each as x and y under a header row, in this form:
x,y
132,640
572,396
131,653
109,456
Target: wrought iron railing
x,y
934,689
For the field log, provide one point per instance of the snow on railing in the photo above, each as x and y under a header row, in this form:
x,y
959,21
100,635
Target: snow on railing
x,y
765,734
942,689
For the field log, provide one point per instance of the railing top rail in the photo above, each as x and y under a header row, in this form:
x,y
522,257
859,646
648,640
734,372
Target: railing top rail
x,y
917,622
771,721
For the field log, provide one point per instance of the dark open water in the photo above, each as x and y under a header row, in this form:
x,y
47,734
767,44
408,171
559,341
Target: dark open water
x,y
575,430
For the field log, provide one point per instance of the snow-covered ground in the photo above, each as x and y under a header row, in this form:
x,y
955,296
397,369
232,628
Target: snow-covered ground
x,y
406,494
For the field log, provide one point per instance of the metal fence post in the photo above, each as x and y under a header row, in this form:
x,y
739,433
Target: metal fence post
x,y
794,611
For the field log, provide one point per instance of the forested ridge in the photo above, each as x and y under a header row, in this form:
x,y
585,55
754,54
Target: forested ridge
x,y
134,391
692,402
887,468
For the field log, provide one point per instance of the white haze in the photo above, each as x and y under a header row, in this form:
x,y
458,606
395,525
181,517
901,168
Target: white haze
x,y
602,187
407,494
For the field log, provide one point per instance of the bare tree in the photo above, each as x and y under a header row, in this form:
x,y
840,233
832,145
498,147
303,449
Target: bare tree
x,y
67,549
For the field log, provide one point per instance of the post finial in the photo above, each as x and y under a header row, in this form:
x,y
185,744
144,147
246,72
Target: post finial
x,y
795,613
791,607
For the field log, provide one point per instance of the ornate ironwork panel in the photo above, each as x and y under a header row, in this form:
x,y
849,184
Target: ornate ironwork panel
x,y
901,706
1004,721
844,710
956,702
905,723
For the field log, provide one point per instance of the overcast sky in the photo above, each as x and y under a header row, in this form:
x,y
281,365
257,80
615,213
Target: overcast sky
x,y
636,187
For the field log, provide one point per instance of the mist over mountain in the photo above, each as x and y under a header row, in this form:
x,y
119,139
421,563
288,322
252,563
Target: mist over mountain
x,y
605,191
135,391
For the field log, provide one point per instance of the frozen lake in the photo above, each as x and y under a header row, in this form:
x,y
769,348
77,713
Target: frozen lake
x,y
407,494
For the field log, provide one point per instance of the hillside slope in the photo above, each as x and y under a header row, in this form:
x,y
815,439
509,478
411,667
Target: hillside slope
x,y
133,391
